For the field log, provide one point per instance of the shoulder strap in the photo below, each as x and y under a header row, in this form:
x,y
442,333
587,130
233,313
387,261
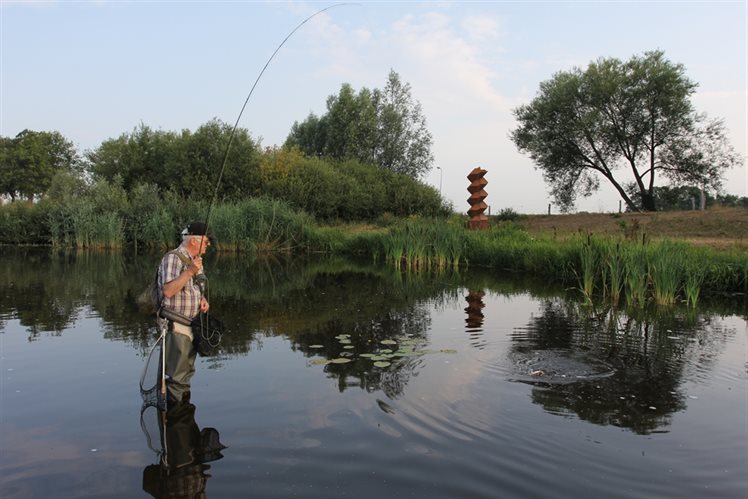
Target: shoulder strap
x,y
184,258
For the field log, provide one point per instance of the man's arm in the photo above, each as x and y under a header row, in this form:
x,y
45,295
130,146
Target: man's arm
x,y
174,286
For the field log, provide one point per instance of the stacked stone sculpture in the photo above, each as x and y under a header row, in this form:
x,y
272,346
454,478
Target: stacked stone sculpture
x,y
478,220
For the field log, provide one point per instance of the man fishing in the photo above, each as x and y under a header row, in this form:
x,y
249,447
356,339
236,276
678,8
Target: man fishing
x,y
180,281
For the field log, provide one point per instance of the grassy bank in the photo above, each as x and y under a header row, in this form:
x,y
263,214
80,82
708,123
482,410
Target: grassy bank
x,y
631,259
714,228
622,270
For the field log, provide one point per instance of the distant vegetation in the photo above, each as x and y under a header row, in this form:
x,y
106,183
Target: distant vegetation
x,y
347,183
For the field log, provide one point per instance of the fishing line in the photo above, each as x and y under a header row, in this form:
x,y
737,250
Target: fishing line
x,y
233,134
236,124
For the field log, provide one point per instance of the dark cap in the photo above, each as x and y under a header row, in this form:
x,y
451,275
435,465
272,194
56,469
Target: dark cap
x,y
197,229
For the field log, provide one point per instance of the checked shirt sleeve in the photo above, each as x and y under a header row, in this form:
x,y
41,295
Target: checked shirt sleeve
x,y
187,301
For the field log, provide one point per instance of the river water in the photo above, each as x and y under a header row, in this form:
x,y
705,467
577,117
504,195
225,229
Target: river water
x,y
453,385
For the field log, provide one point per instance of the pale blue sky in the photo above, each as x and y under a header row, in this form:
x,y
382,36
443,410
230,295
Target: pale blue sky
x,y
95,70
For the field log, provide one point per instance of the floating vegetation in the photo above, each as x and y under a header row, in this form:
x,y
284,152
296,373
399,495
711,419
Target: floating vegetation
x,y
380,357
340,360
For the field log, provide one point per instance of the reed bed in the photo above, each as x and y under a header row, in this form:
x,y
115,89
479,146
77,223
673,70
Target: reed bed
x,y
622,272
419,245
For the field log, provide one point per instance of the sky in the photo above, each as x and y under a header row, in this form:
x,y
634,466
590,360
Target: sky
x,y
96,70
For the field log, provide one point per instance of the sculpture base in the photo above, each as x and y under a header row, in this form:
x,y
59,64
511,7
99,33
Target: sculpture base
x,y
480,224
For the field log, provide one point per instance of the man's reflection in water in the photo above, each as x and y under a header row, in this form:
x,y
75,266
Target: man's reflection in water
x,y
182,472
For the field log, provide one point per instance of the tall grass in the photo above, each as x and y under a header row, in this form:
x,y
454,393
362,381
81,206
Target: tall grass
x,y
260,225
423,244
589,257
616,270
620,271
624,272
665,269
694,274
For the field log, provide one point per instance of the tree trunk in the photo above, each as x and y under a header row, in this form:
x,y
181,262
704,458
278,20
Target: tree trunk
x,y
648,202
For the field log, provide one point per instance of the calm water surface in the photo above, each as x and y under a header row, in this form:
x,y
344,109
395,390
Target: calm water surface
x,y
495,387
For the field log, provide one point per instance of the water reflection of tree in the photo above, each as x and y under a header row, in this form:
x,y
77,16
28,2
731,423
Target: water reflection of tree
x,y
370,310
648,352
312,301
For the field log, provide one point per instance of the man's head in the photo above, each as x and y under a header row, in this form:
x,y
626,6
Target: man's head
x,y
196,238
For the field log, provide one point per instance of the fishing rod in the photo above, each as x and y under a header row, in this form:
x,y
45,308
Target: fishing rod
x,y
218,183
236,124
202,282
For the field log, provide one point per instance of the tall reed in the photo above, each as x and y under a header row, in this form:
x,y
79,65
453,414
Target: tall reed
x,y
615,264
695,272
665,268
636,275
589,265
424,245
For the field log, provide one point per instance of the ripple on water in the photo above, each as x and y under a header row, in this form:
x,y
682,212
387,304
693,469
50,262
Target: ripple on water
x,y
555,366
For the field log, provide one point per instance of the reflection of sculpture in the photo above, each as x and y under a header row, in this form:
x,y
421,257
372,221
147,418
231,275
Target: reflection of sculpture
x,y
474,309
474,320
182,471
476,200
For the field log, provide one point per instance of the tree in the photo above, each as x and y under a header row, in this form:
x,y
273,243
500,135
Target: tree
x,y
188,163
138,157
381,127
31,160
194,168
586,125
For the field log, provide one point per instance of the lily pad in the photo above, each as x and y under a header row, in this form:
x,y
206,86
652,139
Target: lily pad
x,y
349,346
340,360
388,342
385,350
382,363
366,355
316,346
319,362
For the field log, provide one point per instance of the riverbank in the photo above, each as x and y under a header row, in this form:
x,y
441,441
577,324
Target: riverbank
x,y
718,228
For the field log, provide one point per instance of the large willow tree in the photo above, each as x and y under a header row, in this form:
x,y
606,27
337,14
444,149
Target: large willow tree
x,y
630,123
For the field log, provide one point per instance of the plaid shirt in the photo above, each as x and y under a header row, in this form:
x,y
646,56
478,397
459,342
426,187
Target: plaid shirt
x,y
187,301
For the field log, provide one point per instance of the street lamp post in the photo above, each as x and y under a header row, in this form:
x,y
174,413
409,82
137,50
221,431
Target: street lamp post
x,y
440,179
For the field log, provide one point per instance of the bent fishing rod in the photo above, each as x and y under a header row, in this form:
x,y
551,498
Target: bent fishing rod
x,y
251,91
223,167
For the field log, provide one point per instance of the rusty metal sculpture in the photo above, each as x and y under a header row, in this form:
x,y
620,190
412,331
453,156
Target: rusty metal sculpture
x,y
477,195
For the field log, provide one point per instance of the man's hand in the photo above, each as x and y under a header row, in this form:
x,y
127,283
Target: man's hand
x,y
196,266
204,305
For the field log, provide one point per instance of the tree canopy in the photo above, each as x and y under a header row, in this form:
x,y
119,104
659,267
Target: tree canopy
x,y
618,118
380,127
187,163
30,161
